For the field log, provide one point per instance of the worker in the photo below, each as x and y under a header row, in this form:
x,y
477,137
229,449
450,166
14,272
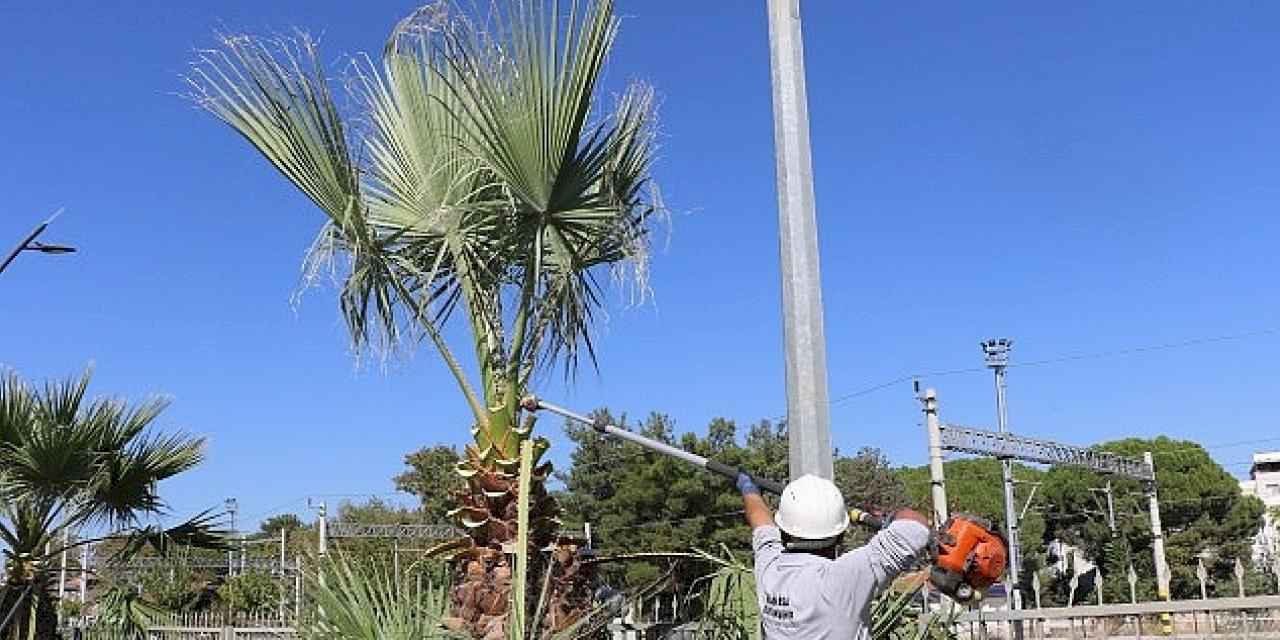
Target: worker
x,y
805,588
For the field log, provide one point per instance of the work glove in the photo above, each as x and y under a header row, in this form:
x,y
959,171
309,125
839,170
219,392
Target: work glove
x,y
746,485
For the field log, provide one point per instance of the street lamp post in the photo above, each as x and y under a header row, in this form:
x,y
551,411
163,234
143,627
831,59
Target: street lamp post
x,y
29,243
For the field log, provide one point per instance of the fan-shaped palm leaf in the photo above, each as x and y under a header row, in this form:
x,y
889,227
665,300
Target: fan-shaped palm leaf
x,y
477,177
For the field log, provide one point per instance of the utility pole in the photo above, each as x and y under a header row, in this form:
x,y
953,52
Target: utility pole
x,y
1157,545
232,506
1157,532
808,413
297,589
84,574
1111,506
322,526
62,572
284,572
996,352
62,566
1111,509
937,479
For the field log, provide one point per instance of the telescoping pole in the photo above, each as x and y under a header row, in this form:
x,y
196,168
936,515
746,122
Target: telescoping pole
x,y
532,403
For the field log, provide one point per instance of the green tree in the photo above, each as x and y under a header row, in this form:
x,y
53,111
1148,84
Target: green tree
x,y
641,502
1201,511
70,463
479,174
868,481
174,586
289,522
432,476
250,592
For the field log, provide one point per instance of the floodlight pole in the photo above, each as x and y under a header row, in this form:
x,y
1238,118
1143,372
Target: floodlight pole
x,y
808,415
996,352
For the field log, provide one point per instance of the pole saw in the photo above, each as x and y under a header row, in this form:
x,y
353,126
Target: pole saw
x,y
968,555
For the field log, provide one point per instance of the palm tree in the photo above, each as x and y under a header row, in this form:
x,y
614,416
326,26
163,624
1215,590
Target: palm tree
x,y
69,464
476,176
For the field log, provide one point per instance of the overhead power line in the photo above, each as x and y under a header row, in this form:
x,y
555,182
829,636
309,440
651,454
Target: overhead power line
x,y
1060,359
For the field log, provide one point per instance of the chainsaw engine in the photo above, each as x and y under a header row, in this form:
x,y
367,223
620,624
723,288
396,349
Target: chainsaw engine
x,y
969,556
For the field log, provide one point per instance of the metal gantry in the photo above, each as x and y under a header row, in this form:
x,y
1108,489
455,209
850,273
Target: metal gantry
x,y
142,564
1010,446
416,531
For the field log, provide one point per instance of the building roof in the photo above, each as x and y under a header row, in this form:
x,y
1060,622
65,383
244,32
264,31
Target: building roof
x,y
1266,457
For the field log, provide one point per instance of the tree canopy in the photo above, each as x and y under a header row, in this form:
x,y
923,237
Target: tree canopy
x,y
431,476
1202,513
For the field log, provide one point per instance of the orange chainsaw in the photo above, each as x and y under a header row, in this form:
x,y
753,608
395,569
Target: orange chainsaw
x,y
967,554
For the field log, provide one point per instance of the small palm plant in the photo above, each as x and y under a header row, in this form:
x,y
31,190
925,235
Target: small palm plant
x,y
477,178
67,464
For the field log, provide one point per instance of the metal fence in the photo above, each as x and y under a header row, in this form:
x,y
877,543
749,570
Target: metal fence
x,y
1255,618
219,625
218,633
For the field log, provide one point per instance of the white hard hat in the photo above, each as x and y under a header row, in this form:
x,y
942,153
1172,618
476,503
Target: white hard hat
x,y
812,508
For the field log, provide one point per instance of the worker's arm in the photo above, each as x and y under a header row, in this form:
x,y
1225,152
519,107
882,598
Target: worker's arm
x,y
893,550
757,512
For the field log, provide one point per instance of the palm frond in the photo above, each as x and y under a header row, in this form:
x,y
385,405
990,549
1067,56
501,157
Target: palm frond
x,y
126,614
275,94
17,405
525,99
202,531
355,601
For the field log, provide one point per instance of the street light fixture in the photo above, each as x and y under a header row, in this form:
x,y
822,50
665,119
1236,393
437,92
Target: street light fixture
x,y
29,243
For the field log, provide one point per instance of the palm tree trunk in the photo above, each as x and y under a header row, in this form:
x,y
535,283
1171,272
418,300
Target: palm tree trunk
x,y
23,622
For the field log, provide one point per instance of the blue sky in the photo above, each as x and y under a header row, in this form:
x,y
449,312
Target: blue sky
x,y
1084,178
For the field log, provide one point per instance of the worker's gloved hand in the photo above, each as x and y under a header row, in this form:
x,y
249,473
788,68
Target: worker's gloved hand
x,y
746,485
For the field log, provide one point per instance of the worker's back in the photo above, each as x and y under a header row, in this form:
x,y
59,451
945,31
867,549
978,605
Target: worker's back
x,y
809,597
